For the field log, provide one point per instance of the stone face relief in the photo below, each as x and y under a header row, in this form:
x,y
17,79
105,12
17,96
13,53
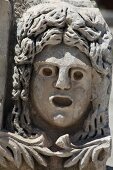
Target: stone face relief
x,y
61,89
62,80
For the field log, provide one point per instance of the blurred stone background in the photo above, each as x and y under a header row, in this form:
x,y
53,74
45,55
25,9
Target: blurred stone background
x,y
106,7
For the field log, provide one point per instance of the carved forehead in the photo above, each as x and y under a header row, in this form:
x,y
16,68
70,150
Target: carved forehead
x,y
69,54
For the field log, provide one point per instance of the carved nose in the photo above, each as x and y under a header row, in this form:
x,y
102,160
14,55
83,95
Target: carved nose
x,y
63,81
63,85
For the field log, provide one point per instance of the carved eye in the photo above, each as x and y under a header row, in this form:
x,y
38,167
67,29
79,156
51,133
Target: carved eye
x,y
47,71
76,75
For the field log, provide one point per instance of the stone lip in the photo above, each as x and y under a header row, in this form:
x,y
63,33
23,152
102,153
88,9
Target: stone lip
x,y
61,101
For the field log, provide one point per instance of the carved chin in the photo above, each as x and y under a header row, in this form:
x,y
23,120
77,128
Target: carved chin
x,y
59,120
64,119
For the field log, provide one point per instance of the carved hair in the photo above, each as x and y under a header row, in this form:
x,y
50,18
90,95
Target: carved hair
x,y
50,24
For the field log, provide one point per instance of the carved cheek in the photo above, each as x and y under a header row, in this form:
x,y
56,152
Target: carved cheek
x,y
82,93
42,88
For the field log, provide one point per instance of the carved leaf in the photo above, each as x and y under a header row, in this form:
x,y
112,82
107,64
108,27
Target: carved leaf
x,y
37,156
13,148
16,152
44,151
75,159
3,162
95,150
85,160
6,153
104,149
63,154
28,159
64,142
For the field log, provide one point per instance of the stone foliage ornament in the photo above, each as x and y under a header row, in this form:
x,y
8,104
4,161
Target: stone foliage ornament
x,y
61,89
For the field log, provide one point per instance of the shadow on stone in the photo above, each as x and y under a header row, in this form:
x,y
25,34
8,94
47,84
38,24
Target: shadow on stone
x,y
109,168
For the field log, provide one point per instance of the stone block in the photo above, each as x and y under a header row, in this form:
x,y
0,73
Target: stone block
x,y
4,33
110,161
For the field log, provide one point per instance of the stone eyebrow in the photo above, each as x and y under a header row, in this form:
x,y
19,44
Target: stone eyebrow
x,y
82,67
45,63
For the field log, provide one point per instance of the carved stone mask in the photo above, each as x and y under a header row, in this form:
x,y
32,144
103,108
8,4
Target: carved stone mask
x,y
60,90
50,85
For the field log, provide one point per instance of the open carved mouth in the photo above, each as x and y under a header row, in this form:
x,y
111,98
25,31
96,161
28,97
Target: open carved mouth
x,y
61,101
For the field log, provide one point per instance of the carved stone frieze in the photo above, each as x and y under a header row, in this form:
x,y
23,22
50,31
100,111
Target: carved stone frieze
x,y
61,89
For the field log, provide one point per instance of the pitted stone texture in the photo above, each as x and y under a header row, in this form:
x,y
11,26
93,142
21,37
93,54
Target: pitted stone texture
x,y
36,140
47,25
21,6
108,16
110,160
5,11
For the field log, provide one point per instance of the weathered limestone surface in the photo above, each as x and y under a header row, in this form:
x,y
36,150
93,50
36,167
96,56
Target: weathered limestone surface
x,y
5,15
110,160
61,88
108,16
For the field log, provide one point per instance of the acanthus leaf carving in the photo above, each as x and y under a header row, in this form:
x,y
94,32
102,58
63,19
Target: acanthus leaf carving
x,y
13,148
